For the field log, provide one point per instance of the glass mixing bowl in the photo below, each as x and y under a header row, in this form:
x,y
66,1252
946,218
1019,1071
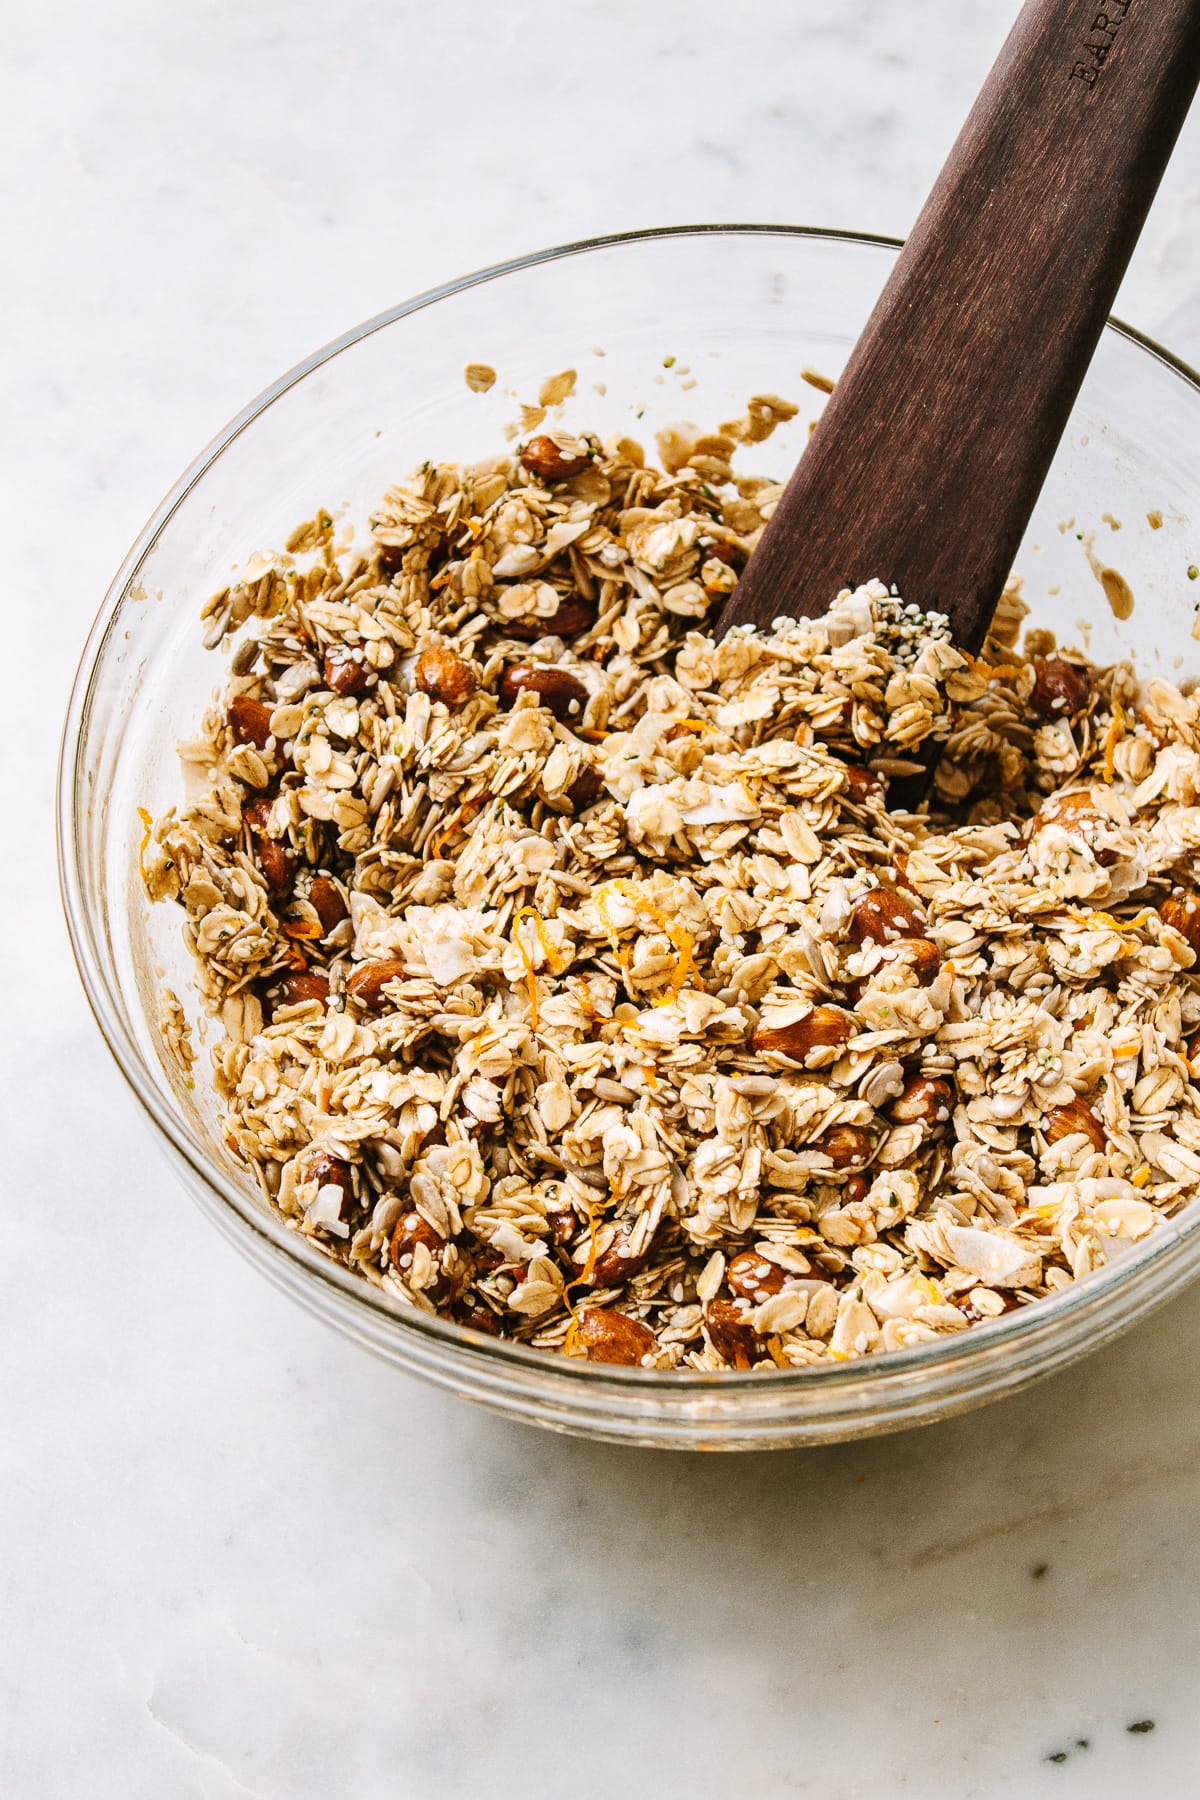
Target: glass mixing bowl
x,y
742,310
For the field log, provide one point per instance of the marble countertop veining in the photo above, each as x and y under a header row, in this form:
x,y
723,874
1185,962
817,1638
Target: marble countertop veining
x,y
237,1557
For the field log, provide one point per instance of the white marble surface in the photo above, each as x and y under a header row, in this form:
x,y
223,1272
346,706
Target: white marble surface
x,y
236,1556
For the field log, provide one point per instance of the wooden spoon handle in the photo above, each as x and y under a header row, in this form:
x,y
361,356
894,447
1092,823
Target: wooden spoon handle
x,y
928,459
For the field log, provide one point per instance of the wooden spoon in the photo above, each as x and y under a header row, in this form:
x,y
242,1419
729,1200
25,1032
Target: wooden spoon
x,y
927,461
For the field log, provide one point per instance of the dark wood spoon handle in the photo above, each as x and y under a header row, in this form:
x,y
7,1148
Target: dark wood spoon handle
x,y
930,455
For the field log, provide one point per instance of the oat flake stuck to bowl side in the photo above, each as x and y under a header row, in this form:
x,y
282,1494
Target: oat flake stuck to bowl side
x,y
575,980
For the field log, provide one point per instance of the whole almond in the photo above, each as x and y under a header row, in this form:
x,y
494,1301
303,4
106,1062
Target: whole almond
x,y
444,675
1076,812
585,790
729,554
368,981
276,860
731,1336
250,720
846,1146
617,1264
479,1318
900,865
332,1171
326,899
1075,1116
556,688
571,619
412,1229
277,863
613,1337
256,814
563,1226
1181,910
920,954
544,458
751,1277
824,1028
925,1100
303,984
1059,689
861,784
881,915
346,671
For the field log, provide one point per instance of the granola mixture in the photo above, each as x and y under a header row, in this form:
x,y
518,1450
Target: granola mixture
x,y
576,982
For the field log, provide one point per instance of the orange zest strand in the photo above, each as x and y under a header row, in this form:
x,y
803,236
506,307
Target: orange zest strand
x,y
993,671
302,928
456,819
1142,1177
530,977
447,832
680,940
549,951
1112,737
147,826
584,1276
1106,920
579,989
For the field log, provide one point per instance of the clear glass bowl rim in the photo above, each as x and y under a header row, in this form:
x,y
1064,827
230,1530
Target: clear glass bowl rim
x,y
1019,1331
